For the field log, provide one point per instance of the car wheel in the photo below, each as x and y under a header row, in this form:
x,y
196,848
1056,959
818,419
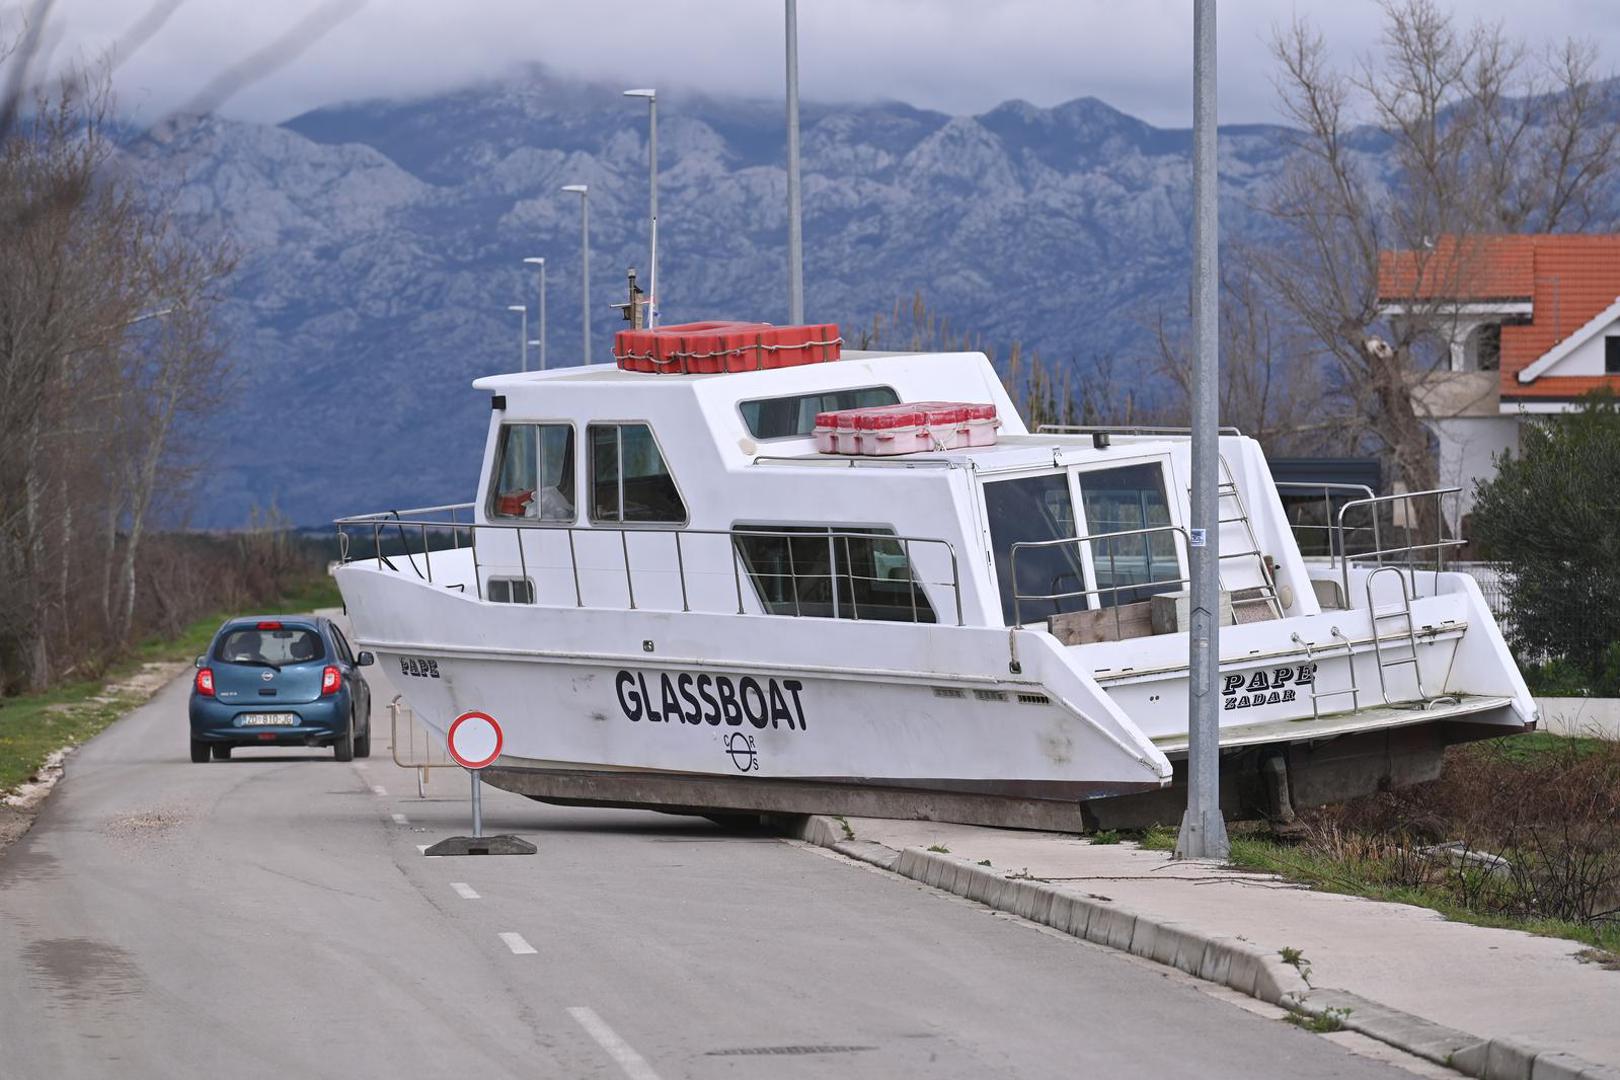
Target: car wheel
x,y
199,751
222,751
362,744
343,748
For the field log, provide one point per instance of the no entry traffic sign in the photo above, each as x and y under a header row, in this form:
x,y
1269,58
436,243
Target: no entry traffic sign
x,y
474,740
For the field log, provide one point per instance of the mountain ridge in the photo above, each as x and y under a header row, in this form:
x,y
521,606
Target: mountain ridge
x,y
383,240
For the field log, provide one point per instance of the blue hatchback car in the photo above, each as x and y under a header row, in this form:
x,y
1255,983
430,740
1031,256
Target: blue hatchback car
x,y
280,681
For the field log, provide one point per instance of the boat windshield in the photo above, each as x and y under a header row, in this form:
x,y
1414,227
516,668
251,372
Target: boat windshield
x,y
1030,509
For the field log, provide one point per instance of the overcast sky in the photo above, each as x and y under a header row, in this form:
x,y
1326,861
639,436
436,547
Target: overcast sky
x,y
960,56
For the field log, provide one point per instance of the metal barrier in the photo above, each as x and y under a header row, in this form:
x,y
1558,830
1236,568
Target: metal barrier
x,y
400,521
421,749
1329,493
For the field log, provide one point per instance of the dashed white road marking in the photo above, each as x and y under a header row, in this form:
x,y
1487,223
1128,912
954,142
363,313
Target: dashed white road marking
x,y
516,943
400,819
465,891
378,789
634,1065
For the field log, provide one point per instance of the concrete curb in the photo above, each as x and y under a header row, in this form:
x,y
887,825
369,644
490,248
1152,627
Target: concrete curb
x,y
1216,958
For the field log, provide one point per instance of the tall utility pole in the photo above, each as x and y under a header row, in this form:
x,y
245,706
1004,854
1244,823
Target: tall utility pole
x,y
523,333
584,193
652,184
1203,830
795,229
541,263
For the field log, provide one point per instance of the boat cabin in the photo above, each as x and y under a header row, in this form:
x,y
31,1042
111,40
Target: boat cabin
x,y
707,492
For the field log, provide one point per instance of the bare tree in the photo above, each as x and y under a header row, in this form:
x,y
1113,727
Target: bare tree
x,y
1265,393
104,346
1475,137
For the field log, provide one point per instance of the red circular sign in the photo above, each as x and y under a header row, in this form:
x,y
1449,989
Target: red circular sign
x,y
474,740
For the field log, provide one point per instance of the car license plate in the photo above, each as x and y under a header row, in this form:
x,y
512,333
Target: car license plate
x,y
270,719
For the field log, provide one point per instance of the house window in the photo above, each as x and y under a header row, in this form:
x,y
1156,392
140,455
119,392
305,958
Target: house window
x,y
1611,356
1050,579
786,417
510,591
629,480
1488,347
1129,569
832,572
534,473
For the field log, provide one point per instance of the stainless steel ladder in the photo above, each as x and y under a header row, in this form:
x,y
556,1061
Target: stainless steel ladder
x,y
1314,658
1228,489
1408,641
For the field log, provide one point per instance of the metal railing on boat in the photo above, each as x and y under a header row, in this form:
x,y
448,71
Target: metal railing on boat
x,y
405,522
1343,538
1142,589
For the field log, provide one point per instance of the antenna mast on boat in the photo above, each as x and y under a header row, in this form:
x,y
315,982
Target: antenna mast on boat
x,y
636,309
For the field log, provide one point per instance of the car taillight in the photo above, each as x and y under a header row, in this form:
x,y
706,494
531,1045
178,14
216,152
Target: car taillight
x,y
331,679
205,682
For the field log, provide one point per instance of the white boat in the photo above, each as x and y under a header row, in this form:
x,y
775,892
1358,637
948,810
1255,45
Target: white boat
x,y
669,598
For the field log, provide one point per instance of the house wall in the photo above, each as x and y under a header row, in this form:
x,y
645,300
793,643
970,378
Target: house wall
x,y
1586,358
1467,446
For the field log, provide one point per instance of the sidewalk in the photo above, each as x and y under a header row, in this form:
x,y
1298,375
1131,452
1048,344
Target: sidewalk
x,y
1503,986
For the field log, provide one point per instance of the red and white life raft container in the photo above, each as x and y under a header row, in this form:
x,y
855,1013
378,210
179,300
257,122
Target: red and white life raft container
x,y
882,430
706,348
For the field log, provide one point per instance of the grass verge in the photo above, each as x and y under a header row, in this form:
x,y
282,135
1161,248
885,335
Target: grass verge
x,y
1517,832
32,726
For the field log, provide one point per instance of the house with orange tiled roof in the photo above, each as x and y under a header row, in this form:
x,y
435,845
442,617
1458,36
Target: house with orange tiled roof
x,y
1529,323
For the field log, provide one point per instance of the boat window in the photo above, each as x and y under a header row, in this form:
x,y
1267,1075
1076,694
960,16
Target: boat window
x,y
629,479
811,571
1129,569
1030,509
534,473
510,591
786,417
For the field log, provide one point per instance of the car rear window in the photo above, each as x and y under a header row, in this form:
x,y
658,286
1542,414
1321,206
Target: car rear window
x,y
284,645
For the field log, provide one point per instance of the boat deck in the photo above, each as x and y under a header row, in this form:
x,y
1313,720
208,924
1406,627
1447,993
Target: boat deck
x,y
1451,707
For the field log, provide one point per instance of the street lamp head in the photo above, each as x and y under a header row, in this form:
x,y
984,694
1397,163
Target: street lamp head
x,y
649,94
579,189
516,307
536,261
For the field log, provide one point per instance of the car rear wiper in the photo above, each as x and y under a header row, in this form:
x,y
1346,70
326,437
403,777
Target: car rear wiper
x,y
257,663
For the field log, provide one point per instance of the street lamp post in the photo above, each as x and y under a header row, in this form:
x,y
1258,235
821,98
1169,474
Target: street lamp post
x,y
541,263
523,333
795,229
1203,830
652,184
584,192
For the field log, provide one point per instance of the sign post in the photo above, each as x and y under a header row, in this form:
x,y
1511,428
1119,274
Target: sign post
x,y
474,741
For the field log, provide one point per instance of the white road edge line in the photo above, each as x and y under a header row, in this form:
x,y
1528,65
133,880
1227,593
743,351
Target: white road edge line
x,y
633,1064
516,943
465,891
400,819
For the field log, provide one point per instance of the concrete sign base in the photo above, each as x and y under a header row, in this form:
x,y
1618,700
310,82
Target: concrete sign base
x,y
505,844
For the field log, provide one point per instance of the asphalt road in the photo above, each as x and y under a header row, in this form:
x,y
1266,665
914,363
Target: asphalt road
x,y
272,916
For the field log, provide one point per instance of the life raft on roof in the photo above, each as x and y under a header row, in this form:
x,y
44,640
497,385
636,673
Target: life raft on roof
x,y
915,427
706,348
